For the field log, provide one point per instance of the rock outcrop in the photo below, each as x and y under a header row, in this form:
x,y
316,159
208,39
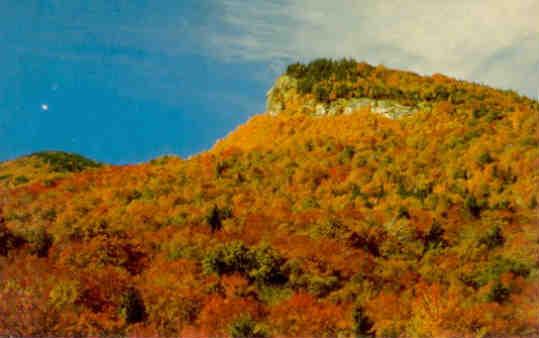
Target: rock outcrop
x,y
284,98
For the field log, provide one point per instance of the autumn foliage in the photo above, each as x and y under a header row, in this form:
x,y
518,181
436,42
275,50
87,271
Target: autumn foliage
x,y
293,225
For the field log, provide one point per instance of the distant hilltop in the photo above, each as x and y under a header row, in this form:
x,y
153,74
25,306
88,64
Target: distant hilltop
x,y
333,87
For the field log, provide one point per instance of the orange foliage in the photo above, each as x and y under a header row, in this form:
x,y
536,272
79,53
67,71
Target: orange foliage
x,y
303,315
428,223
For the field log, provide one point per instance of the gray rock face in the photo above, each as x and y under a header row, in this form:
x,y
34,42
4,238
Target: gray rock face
x,y
320,110
391,109
285,90
280,93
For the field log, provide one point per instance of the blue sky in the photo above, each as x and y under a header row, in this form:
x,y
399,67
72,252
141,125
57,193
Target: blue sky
x,y
126,81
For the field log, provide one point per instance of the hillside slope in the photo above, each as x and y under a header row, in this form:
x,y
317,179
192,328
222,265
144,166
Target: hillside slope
x,y
354,223
45,166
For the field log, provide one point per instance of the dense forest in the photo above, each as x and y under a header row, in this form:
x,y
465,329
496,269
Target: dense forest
x,y
353,225
328,80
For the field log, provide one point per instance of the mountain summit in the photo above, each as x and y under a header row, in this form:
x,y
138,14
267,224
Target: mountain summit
x,y
332,87
366,202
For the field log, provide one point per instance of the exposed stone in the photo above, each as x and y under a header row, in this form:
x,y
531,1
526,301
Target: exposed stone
x,y
320,110
283,89
284,92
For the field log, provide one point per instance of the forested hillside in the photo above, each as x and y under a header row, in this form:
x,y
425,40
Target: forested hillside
x,y
45,166
350,225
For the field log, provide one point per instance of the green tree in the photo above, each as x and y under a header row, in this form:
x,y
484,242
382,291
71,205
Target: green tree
x,y
498,293
132,307
246,327
362,323
216,216
40,242
8,240
493,238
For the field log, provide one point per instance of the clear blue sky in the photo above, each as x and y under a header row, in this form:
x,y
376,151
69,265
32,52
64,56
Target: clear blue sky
x,y
125,81
122,82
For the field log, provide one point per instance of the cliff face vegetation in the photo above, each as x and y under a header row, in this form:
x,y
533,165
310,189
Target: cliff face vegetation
x,y
327,87
354,223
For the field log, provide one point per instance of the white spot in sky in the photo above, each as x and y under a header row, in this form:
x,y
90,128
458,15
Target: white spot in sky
x,y
44,107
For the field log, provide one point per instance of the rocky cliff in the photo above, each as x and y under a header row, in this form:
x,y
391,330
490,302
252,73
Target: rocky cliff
x,y
334,87
284,97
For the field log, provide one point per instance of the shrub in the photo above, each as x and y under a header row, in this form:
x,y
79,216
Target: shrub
x,y
403,212
321,286
8,240
533,202
266,265
305,85
479,112
497,268
494,115
216,216
228,258
493,238
331,228
460,173
321,93
355,191
246,327
261,264
64,293
364,242
402,191
220,168
213,219
498,293
49,214
362,323
347,154
187,251
484,158
133,195
434,238
343,91
40,242
473,207
21,180
310,203
132,307
296,70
